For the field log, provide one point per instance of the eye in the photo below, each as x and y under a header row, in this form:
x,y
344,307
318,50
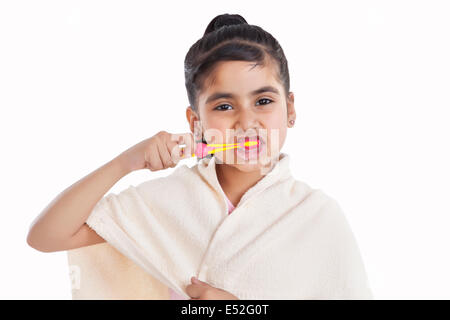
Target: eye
x,y
263,99
221,106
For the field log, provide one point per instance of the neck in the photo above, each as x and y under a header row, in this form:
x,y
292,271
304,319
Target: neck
x,y
234,182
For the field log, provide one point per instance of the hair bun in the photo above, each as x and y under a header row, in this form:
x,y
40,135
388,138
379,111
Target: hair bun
x,y
224,20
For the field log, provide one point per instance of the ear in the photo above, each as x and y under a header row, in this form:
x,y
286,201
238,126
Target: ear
x,y
291,115
191,117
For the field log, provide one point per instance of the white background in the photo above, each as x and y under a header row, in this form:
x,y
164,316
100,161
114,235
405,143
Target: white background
x,y
81,81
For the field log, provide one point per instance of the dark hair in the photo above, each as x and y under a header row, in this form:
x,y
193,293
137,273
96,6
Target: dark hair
x,y
229,37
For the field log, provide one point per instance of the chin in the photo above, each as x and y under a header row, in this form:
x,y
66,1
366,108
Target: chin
x,y
247,167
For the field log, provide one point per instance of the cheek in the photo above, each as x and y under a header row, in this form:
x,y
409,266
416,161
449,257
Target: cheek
x,y
221,127
276,131
277,123
276,137
215,132
283,133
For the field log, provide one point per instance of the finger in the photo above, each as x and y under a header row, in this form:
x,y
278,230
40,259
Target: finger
x,y
154,162
176,151
164,154
188,140
194,290
173,150
197,281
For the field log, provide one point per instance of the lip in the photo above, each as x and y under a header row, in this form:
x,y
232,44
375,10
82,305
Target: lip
x,y
241,139
252,153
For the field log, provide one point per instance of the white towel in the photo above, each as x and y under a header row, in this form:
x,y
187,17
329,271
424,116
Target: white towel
x,y
101,272
284,240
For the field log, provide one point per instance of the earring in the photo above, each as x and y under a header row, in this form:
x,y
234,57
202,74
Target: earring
x,y
292,122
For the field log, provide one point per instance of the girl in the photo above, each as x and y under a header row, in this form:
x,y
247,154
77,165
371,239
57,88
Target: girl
x,y
247,228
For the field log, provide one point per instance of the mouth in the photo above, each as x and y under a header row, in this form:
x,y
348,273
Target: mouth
x,y
255,138
252,151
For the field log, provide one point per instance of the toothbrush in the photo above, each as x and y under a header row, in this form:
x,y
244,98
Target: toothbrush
x,y
204,149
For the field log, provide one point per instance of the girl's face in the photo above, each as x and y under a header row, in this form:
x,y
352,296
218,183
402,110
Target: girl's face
x,y
240,100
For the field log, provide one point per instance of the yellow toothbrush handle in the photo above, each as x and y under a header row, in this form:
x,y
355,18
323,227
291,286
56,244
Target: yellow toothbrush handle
x,y
226,146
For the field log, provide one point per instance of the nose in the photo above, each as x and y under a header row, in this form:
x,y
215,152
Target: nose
x,y
247,120
247,124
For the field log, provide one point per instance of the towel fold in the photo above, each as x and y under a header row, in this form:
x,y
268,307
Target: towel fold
x,y
284,240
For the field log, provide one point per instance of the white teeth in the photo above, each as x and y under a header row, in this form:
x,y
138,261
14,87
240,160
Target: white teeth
x,y
243,139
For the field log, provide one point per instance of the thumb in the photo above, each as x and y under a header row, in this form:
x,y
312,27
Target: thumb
x,y
195,280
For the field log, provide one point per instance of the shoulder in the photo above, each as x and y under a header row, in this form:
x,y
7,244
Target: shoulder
x,y
322,211
304,195
323,201
334,231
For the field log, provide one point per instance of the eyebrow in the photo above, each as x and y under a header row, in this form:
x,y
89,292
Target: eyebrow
x,y
219,95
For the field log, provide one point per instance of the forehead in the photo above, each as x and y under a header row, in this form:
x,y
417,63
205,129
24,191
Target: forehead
x,y
238,77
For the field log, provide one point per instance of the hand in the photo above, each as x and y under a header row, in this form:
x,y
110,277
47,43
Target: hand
x,y
200,290
159,152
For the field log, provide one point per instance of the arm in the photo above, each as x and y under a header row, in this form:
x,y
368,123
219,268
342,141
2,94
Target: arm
x,y
61,225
